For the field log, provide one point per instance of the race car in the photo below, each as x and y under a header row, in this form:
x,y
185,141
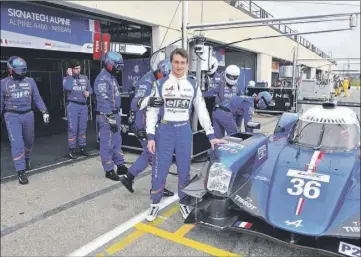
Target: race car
x,y
300,186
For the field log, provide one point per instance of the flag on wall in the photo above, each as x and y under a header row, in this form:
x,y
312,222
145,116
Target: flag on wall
x,y
94,26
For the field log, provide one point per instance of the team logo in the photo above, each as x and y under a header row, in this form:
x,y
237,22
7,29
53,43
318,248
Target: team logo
x,y
136,68
169,89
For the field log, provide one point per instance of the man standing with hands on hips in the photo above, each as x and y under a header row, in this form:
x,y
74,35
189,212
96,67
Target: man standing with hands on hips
x,y
172,104
78,89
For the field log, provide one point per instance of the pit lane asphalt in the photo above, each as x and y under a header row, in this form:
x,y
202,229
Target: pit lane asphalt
x,y
64,209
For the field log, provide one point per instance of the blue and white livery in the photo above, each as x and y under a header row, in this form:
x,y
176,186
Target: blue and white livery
x,y
300,185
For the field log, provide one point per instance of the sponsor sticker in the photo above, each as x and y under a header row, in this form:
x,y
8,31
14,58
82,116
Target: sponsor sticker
x,y
262,178
353,228
245,202
349,249
177,103
308,175
235,144
228,149
262,151
209,224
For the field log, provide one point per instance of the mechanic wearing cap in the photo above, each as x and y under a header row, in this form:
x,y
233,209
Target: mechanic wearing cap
x,y
18,93
169,130
77,87
138,105
226,113
108,98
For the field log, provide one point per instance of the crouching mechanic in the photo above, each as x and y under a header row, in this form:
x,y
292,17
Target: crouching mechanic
x,y
108,98
230,87
179,94
18,93
226,113
77,87
138,105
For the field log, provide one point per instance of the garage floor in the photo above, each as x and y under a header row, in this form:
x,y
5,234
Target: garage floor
x,y
50,146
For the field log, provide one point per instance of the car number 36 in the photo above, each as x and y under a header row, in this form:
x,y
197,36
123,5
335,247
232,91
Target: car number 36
x,y
310,189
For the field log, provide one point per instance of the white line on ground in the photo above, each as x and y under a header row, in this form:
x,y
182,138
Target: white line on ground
x,y
110,235
52,165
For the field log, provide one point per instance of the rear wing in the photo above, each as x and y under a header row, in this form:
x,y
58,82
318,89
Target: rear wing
x,y
346,104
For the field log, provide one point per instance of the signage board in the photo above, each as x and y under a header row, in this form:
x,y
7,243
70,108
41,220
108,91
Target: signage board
x,y
33,26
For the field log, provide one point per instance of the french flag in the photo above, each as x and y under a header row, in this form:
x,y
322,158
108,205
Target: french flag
x,y
243,224
94,26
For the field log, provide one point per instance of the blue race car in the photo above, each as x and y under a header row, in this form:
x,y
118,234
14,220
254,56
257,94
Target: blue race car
x,y
299,186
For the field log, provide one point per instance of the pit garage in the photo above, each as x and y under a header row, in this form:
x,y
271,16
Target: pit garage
x,y
225,56
48,36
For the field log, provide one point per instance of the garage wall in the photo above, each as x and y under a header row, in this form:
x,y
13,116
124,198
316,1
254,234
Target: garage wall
x,y
241,59
160,13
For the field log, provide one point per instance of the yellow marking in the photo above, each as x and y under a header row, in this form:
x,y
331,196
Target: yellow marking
x,y
184,230
124,242
100,255
165,215
118,246
184,241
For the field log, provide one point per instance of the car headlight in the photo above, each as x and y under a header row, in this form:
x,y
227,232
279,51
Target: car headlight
x,y
219,178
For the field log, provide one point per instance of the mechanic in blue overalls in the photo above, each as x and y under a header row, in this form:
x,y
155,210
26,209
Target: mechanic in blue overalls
x,y
77,87
138,105
224,91
213,79
226,113
108,98
18,93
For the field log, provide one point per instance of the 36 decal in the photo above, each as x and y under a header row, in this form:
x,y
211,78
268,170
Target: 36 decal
x,y
307,184
309,189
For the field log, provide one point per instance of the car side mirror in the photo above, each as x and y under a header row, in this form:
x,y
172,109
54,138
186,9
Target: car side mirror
x,y
253,125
